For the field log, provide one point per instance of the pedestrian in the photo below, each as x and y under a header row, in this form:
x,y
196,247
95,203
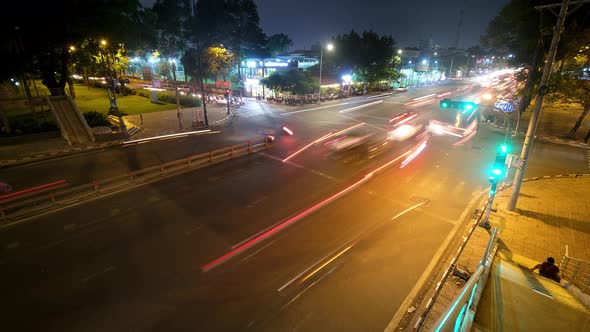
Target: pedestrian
x,y
548,269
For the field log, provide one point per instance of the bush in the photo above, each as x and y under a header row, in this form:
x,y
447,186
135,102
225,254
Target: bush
x,y
126,91
96,119
142,93
190,101
186,100
167,97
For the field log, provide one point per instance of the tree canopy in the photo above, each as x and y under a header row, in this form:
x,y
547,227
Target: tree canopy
x,y
293,81
278,43
37,37
368,56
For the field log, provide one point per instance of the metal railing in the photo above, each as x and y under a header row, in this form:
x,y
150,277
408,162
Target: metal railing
x,y
460,316
576,272
22,207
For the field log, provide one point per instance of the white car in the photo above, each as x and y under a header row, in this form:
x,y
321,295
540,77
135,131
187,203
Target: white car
x,y
401,89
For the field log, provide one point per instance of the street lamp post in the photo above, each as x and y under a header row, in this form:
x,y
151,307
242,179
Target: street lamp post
x,y
412,73
178,112
329,47
111,88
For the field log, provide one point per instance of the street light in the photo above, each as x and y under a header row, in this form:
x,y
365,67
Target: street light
x,y
329,47
399,51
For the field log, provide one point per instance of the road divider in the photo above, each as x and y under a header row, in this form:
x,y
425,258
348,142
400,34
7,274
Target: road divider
x,y
32,191
19,208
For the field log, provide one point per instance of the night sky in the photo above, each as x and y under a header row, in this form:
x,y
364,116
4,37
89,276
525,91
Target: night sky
x,y
309,21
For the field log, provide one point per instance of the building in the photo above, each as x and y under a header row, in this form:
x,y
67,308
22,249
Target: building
x,y
253,70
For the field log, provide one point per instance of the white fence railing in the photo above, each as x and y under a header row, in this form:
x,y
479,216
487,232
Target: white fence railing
x,y
576,272
17,207
459,317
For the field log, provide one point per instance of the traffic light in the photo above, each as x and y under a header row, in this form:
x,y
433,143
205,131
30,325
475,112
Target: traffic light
x,y
227,93
467,105
462,105
499,167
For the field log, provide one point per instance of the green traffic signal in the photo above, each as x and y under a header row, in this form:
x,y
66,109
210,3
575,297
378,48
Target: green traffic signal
x,y
444,105
503,149
468,107
497,171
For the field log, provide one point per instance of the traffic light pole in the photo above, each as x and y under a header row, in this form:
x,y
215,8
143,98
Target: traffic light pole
x,y
530,135
485,223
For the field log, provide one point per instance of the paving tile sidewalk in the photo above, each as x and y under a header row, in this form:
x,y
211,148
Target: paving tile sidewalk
x,y
551,213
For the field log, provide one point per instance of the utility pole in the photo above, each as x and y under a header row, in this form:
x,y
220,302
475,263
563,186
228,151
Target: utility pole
x,y
178,112
543,88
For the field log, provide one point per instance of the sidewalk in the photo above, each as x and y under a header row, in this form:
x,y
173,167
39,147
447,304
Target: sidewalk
x,y
166,122
154,124
551,213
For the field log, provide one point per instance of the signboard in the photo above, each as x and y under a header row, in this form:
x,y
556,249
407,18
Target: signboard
x,y
222,83
513,160
504,106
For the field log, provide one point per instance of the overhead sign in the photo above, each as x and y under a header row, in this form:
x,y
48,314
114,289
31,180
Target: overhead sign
x,y
504,106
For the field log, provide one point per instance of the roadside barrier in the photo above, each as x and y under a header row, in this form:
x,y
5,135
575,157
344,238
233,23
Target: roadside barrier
x,y
451,267
22,207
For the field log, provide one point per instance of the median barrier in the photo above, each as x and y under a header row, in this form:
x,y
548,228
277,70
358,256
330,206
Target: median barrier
x,y
23,207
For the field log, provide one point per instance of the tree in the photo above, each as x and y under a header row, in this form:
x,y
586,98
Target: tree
x,y
369,57
46,50
278,43
573,89
205,28
243,35
293,81
171,28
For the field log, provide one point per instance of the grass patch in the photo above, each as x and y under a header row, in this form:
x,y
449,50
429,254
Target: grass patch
x,y
95,99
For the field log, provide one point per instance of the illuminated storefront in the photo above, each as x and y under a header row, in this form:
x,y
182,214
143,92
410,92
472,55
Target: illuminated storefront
x,y
254,69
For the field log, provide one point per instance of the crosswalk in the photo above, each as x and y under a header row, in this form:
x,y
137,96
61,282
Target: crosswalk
x,y
245,112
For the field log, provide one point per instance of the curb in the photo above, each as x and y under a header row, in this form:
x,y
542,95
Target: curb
x,y
550,139
558,176
418,325
56,154
78,150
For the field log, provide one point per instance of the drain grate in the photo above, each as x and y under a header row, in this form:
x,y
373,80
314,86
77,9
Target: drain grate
x,y
535,285
418,199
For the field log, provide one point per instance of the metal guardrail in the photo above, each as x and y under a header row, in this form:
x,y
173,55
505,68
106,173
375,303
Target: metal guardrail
x,y
460,316
576,272
16,209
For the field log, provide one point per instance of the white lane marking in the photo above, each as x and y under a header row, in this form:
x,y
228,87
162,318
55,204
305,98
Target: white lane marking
x,y
300,166
280,289
97,274
322,107
170,136
257,201
408,210
341,251
192,230
361,106
399,314
257,251
366,124
380,96
374,117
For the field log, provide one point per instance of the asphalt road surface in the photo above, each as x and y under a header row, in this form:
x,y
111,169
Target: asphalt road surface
x,y
319,242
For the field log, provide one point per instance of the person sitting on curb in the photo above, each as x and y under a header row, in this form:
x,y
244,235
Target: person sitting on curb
x,y
548,269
